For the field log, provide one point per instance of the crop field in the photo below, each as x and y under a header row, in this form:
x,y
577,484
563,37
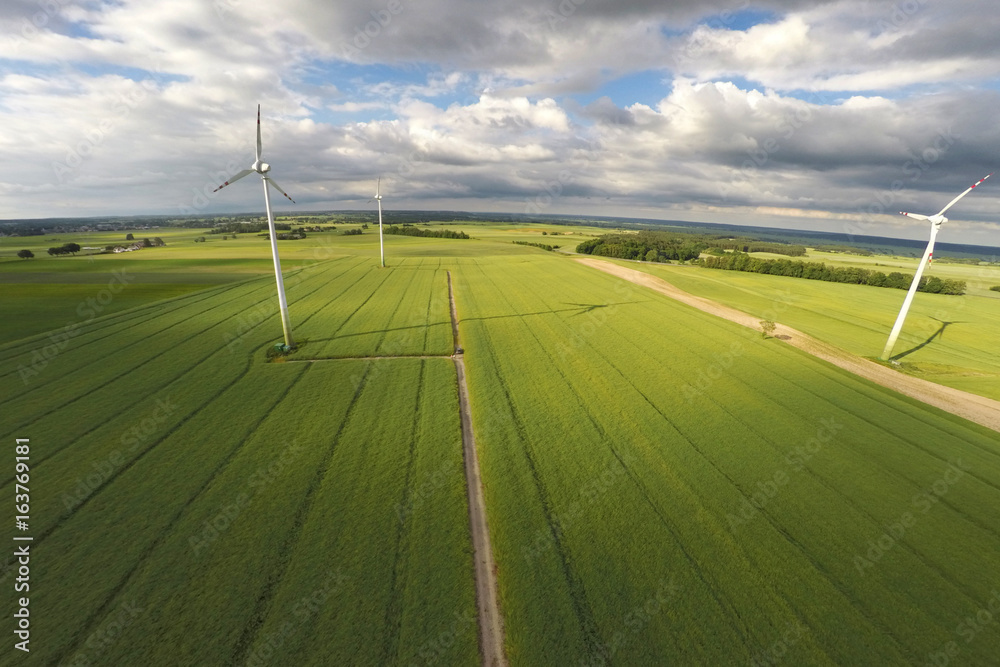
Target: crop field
x,y
664,489
402,311
263,510
951,340
662,486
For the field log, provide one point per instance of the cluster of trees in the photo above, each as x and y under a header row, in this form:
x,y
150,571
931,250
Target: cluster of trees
x,y
410,230
645,246
352,232
543,246
65,249
995,288
739,261
286,236
25,254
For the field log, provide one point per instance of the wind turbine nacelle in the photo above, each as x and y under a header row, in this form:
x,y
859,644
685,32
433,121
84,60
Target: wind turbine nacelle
x,y
261,167
937,220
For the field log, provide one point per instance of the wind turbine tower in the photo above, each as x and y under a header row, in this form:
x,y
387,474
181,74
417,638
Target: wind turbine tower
x,y
378,198
936,222
263,168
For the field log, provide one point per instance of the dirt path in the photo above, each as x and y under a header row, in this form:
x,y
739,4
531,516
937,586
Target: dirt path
x,y
975,408
490,622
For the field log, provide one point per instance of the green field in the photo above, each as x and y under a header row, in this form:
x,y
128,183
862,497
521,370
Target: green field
x,y
662,486
951,340
254,505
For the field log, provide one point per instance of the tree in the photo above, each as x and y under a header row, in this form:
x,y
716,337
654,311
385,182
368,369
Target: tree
x,y
129,237
72,248
146,243
766,328
652,256
25,254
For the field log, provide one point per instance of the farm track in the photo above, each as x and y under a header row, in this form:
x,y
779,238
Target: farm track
x,y
844,497
490,622
978,409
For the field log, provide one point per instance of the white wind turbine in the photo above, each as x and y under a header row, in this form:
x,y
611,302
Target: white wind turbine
x,y
378,198
936,221
262,168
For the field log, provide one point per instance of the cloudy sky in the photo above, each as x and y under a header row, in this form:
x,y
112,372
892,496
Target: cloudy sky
x,y
789,113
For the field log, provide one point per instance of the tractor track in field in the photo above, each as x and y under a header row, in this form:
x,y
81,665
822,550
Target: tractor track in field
x,y
488,609
975,408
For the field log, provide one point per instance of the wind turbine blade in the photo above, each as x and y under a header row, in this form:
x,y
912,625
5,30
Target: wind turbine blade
x,y
378,186
914,215
955,200
245,172
278,188
258,134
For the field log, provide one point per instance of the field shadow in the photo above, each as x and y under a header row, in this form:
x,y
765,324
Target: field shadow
x,y
577,309
381,331
937,334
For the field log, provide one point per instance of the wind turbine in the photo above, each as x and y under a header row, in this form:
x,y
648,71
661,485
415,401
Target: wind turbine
x,y
262,168
378,198
936,222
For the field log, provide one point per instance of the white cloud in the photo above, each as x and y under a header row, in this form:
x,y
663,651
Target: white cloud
x,y
124,107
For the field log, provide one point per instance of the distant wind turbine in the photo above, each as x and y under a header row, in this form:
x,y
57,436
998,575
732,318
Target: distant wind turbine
x,y
936,222
378,198
262,168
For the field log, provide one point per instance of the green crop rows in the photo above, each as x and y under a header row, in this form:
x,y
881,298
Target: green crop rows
x,y
623,436
253,505
662,486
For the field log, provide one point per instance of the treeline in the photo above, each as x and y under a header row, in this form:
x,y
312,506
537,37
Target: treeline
x,y
543,246
410,230
645,246
845,249
752,245
739,261
247,227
